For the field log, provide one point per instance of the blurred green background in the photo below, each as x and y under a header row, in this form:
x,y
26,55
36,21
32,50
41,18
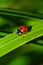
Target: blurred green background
x,y
33,55
24,5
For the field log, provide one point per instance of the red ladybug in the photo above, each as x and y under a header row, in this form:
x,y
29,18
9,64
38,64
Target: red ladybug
x,y
22,29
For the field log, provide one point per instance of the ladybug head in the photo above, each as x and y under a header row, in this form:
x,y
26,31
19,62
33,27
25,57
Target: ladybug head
x,y
19,31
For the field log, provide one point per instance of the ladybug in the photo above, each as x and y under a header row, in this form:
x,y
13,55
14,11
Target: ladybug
x,y
22,29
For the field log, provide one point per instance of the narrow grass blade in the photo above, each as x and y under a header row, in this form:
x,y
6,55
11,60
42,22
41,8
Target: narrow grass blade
x,y
13,12
20,40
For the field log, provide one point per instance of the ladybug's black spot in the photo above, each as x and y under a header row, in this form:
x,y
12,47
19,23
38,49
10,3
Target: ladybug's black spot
x,y
24,27
20,28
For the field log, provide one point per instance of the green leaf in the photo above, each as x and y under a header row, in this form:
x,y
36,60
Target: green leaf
x,y
13,41
3,34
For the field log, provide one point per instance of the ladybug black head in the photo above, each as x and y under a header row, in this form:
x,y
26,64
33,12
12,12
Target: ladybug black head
x,y
19,31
